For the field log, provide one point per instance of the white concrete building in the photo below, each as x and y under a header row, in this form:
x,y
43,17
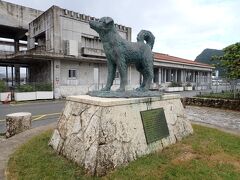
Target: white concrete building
x,y
64,50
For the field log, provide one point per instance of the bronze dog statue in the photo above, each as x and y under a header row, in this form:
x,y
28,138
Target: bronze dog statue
x,y
120,52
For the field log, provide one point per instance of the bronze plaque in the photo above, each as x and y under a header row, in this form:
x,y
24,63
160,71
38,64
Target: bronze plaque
x,y
154,124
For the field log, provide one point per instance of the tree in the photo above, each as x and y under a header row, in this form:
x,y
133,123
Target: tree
x,y
230,62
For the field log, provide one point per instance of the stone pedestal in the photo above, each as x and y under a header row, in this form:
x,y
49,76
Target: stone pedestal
x,y
101,134
17,122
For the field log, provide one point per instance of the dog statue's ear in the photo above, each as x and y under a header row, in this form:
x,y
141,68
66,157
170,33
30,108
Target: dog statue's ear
x,y
109,20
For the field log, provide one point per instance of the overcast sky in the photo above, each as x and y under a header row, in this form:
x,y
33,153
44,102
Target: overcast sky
x,y
182,28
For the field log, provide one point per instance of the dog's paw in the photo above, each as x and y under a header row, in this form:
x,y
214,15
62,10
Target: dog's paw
x,y
105,89
141,89
120,89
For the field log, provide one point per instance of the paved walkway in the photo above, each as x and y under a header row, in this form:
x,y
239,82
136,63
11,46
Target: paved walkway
x,y
226,120
8,146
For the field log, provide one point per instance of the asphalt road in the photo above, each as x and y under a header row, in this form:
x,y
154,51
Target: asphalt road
x,y
42,112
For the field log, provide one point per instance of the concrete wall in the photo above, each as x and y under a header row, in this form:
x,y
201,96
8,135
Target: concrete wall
x,y
42,25
40,72
89,77
14,15
66,29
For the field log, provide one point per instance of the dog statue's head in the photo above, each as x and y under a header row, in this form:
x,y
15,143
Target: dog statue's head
x,y
103,25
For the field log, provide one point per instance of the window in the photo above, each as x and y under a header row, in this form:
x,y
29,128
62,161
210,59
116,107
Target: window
x,y
72,73
92,42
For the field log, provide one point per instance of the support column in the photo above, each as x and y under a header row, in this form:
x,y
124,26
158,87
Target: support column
x,y
182,76
7,76
159,75
193,74
52,75
16,45
200,78
169,74
197,80
165,76
210,80
176,75
56,78
12,75
31,43
17,74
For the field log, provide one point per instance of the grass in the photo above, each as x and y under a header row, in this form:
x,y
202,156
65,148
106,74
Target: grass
x,y
222,95
207,154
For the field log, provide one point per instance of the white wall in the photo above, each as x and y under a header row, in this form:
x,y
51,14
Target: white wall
x,y
85,80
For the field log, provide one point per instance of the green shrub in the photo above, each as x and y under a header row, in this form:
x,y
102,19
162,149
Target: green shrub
x,y
3,86
43,87
34,87
25,88
221,95
175,84
189,84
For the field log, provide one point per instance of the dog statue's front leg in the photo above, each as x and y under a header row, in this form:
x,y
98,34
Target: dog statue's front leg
x,y
111,75
122,67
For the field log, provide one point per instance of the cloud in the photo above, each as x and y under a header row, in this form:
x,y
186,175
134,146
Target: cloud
x,y
182,28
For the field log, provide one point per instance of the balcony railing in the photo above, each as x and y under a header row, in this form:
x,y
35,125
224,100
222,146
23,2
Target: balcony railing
x,y
93,52
6,52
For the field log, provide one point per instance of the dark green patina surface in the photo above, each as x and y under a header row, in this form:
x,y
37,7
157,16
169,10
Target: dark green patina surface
x,y
154,124
120,53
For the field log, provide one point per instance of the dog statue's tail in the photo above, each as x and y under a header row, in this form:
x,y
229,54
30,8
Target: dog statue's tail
x,y
147,36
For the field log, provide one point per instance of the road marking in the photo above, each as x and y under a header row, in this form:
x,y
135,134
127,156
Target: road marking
x,y
42,102
38,117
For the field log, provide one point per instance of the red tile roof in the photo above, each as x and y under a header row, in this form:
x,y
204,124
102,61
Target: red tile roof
x,y
172,59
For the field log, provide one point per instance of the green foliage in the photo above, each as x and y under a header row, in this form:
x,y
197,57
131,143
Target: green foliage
x,y
3,86
36,160
175,84
35,87
188,84
230,61
222,95
25,88
43,87
207,154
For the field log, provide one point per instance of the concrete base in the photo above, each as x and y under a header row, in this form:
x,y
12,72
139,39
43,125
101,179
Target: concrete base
x,y
17,122
101,134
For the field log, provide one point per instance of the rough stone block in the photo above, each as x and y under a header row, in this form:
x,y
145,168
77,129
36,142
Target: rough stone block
x,y
101,134
17,122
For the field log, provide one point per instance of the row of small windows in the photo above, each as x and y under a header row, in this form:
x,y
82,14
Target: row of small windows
x,y
72,73
92,43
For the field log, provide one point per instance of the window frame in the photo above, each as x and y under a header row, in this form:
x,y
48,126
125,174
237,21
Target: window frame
x,y
70,74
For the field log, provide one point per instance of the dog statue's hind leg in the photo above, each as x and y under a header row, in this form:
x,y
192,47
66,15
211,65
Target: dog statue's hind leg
x,y
147,72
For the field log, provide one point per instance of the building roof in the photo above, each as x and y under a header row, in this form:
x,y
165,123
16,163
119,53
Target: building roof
x,y
172,59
